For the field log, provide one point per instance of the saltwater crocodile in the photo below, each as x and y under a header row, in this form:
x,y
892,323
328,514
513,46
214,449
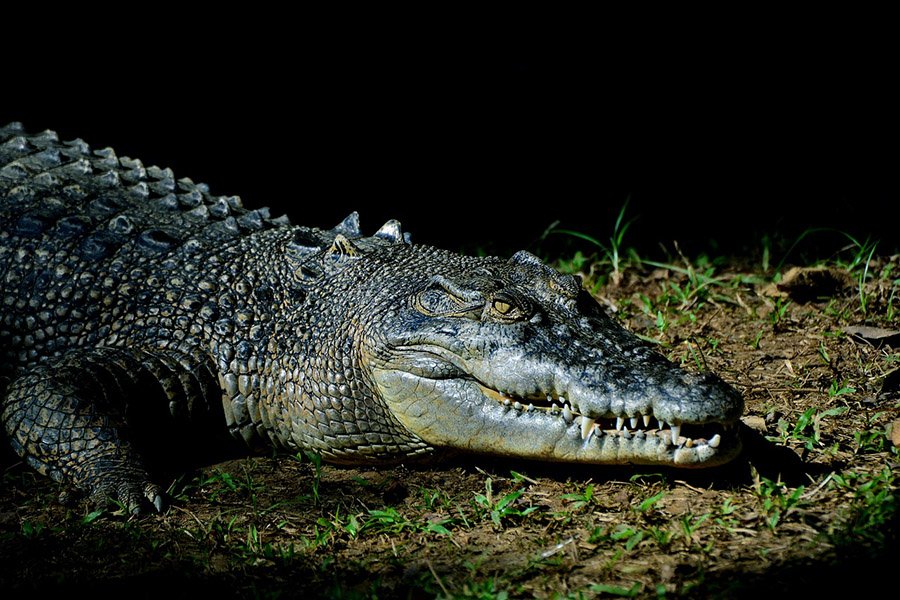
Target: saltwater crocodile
x,y
135,306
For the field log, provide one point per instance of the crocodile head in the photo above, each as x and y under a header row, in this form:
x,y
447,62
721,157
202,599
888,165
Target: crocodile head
x,y
510,357
484,354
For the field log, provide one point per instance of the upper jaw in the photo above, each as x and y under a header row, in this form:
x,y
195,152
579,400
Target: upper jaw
x,y
660,390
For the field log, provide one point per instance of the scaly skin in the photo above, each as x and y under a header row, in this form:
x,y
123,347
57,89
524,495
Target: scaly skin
x,y
138,308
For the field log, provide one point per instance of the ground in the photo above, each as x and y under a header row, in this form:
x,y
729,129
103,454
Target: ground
x,y
811,504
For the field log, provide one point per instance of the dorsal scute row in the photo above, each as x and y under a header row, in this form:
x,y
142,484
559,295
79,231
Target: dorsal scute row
x,y
45,183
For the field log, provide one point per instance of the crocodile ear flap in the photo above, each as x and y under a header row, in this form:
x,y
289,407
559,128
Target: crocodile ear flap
x,y
349,227
392,232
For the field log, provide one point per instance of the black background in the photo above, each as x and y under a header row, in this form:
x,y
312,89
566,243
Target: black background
x,y
714,147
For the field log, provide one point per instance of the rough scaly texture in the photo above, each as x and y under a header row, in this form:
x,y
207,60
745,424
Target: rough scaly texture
x,y
136,308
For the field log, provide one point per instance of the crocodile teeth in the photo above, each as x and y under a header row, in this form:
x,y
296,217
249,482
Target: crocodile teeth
x,y
530,407
676,433
659,424
567,414
517,405
714,441
620,423
633,422
646,420
554,408
587,427
507,402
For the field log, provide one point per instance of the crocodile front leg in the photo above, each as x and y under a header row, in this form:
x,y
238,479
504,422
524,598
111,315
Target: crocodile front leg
x,y
75,420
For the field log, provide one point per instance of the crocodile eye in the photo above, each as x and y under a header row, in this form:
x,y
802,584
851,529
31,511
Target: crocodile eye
x,y
507,307
502,307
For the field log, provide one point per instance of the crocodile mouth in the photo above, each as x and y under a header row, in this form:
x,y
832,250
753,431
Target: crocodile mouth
x,y
625,427
463,412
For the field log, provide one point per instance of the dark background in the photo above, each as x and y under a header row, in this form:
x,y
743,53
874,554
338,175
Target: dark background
x,y
715,149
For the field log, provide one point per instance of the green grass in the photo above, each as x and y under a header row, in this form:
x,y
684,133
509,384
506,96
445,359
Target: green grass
x,y
499,509
871,514
579,500
807,430
612,254
389,520
776,500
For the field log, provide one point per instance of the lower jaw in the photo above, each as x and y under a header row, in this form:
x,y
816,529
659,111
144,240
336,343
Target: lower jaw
x,y
620,448
624,441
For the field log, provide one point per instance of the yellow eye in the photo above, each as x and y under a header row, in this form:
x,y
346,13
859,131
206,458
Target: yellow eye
x,y
502,307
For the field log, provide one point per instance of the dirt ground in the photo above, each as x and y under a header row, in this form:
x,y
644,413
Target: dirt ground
x,y
809,506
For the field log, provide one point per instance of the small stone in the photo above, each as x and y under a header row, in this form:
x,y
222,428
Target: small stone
x,y
807,284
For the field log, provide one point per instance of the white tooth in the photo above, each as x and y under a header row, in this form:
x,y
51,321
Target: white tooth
x,y
633,421
554,408
587,427
676,433
639,434
567,414
620,423
714,441
530,407
507,402
517,405
646,420
626,434
659,424
689,443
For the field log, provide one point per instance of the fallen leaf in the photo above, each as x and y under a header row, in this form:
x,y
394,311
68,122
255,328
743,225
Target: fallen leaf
x,y
755,422
876,336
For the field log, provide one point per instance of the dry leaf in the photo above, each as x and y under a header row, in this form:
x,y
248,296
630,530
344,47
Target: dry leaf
x,y
874,335
755,422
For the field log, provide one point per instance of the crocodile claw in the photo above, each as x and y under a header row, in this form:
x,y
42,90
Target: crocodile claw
x,y
131,490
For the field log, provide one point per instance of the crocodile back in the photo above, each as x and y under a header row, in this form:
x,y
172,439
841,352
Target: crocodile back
x,y
84,233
